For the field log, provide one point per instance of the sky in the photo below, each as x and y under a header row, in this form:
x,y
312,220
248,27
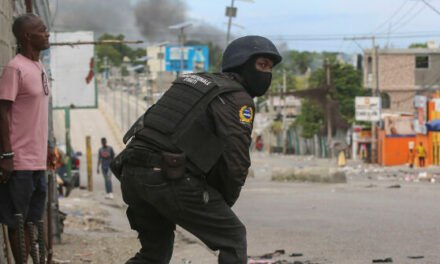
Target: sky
x,y
284,21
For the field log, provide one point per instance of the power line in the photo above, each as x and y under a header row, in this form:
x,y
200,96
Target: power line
x,y
411,9
410,19
391,17
430,6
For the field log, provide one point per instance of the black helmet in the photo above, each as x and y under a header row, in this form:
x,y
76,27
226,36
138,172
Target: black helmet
x,y
240,50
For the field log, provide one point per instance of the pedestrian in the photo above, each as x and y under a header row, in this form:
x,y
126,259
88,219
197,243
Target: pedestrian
x,y
259,143
364,152
105,157
188,155
24,109
411,157
421,153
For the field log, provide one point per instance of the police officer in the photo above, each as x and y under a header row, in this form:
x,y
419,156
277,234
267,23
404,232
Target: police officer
x,y
187,157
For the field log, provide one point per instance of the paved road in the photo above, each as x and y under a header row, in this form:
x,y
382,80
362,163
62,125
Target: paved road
x,y
329,223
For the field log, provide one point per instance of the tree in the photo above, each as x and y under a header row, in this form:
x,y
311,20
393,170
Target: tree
x,y
277,79
311,118
418,45
115,52
347,82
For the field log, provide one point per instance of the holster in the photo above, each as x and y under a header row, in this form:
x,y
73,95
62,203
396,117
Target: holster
x,y
116,165
173,167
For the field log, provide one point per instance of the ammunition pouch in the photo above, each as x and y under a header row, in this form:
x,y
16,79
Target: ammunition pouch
x,y
173,167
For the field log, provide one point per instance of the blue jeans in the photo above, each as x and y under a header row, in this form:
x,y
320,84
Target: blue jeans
x,y
108,179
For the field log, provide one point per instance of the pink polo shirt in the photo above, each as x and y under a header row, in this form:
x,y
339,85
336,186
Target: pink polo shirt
x,y
22,83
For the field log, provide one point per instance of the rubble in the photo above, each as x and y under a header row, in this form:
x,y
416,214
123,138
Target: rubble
x,y
315,175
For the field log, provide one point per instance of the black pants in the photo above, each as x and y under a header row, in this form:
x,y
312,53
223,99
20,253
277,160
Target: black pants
x,y
157,205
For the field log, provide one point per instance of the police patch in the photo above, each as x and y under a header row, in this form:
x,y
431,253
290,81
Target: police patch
x,y
246,114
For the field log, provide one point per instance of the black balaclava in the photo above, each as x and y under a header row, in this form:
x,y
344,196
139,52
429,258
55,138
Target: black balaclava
x,y
256,82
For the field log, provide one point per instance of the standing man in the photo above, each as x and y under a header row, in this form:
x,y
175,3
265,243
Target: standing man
x,y
421,153
188,156
411,158
105,157
24,101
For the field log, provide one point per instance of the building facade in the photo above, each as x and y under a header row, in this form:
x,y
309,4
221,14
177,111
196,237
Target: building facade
x,y
403,73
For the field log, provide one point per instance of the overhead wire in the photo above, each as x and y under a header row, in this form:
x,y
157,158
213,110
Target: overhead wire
x,y
391,17
406,14
411,18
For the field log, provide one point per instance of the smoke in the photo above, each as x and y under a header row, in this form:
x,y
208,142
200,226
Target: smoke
x,y
109,16
153,18
147,20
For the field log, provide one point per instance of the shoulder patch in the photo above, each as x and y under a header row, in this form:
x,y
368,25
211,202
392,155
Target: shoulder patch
x,y
246,114
194,79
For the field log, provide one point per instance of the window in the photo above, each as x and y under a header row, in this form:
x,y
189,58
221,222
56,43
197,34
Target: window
x,y
386,102
422,62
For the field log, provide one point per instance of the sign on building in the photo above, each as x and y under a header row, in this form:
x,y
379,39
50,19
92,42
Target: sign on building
x,y
399,126
194,58
420,116
72,81
368,108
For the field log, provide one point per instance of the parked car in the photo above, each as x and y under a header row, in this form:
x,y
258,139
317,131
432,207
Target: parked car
x,y
75,179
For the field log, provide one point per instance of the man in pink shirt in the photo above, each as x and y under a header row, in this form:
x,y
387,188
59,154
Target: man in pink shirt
x,y
24,101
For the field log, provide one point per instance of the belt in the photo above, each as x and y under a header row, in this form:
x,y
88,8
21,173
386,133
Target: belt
x,y
143,158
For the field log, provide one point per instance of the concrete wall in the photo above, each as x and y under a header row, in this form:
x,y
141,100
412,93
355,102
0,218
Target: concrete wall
x,y
7,40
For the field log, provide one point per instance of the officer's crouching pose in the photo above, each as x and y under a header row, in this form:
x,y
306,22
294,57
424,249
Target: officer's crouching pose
x,y
188,156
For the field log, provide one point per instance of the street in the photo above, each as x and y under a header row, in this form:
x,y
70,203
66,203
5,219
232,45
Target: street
x,y
355,222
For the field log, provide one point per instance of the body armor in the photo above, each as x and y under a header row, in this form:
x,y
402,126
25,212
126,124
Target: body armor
x,y
179,122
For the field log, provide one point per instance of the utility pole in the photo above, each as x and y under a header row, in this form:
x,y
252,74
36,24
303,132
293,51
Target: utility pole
x,y
328,82
182,39
375,89
230,12
161,57
284,109
121,102
128,109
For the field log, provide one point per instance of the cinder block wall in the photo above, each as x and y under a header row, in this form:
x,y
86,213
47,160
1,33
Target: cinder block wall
x,y
397,78
7,40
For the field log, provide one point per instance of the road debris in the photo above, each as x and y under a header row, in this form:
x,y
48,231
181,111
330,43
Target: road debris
x,y
387,260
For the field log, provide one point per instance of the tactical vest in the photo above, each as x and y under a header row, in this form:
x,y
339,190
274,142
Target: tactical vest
x,y
178,122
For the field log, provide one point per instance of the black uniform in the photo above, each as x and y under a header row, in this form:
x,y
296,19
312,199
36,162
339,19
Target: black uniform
x,y
186,163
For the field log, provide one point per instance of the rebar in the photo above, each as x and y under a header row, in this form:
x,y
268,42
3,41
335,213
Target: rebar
x,y
41,242
21,241
32,243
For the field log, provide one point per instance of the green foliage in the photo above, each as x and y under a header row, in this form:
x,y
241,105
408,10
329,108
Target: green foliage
x,y
277,79
277,126
347,82
418,45
300,61
115,51
310,119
